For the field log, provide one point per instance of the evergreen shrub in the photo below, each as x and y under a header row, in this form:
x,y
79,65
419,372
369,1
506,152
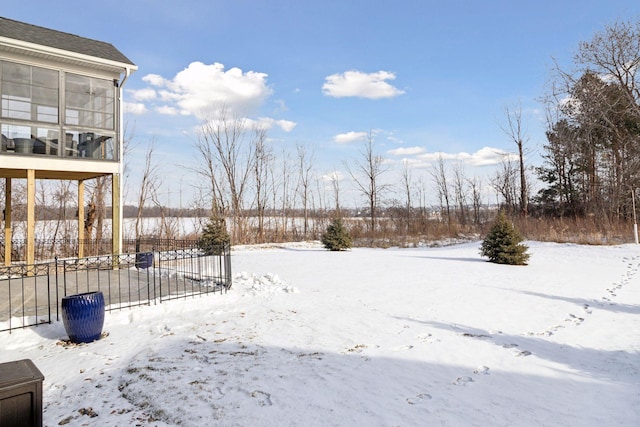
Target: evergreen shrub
x,y
502,244
336,237
214,236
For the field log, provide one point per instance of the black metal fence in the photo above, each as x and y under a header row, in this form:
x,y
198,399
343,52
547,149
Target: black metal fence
x,y
31,294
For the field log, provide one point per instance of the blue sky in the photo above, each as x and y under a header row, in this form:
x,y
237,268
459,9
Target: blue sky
x,y
426,76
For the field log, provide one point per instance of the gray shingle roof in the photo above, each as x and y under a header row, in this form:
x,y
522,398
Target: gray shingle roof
x,y
46,37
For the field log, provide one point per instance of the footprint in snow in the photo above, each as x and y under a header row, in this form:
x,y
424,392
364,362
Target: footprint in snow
x,y
463,381
523,353
418,398
482,370
355,349
427,338
548,332
264,398
403,348
574,319
217,393
555,328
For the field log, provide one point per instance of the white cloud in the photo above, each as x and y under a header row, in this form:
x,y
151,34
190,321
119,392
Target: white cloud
x,y
146,94
286,125
333,176
267,123
359,84
136,108
395,139
202,89
168,96
486,156
168,110
414,163
434,157
406,151
345,138
154,80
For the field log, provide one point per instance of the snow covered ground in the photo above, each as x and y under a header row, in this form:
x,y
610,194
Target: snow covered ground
x,y
369,337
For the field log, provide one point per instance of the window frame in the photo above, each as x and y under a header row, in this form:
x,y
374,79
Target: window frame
x,y
26,92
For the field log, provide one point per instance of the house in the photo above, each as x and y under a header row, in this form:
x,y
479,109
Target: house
x,y
60,118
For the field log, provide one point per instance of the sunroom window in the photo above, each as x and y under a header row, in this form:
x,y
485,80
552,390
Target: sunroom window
x,y
90,102
29,93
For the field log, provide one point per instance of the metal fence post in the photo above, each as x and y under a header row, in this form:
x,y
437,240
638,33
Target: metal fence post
x,y
57,292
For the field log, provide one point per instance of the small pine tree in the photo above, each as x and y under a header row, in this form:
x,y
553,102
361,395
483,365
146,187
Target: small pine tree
x,y
502,244
336,238
214,236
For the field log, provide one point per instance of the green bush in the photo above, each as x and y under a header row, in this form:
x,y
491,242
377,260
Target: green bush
x,y
336,238
502,244
214,236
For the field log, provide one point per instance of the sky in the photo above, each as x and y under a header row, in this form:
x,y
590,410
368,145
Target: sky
x,y
421,77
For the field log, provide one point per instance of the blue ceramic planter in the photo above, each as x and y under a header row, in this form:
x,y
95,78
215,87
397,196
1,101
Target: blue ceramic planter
x,y
83,316
144,260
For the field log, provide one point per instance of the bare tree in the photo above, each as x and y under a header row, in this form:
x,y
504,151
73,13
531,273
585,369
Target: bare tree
x,y
513,129
207,167
96,214
18,193
148,186
168,227
422,201
285,198
407,186
475,185
275,180
460,191
369,170
305,167
223,141
504,181
614,54
261,165
62,196
334,180
42,200
440,177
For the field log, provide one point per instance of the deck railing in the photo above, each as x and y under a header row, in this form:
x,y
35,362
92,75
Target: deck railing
x,y
30,294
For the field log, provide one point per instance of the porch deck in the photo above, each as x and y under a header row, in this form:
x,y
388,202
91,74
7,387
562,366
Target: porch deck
x,y
30,295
